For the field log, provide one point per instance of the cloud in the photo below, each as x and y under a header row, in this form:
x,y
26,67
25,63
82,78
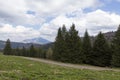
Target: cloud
x,y
37,12
15,12
95,21
49,15
17,33
51,6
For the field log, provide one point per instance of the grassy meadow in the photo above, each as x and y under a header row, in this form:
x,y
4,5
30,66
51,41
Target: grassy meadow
x,y
17,68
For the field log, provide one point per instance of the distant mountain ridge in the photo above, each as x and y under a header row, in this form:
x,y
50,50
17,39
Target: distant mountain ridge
x,y
26,45
18,44
109,36
36,41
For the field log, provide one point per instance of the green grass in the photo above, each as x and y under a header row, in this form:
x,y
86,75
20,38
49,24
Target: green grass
x,y
16,68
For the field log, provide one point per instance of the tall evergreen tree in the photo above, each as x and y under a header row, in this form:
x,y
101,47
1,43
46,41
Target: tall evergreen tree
x,y
15,51
87,48
18,52
40,53
63,46
67,56
63,32
101,51
57,50
116,51
74,46
8,49
32,51
24,52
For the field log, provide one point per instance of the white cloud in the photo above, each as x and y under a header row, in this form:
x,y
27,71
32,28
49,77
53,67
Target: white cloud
x,y
17,33
93,21
58,6
102,18
14,12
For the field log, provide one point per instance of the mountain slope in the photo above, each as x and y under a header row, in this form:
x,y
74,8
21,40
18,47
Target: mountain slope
x,y
36,40
26,45
18,44
109,36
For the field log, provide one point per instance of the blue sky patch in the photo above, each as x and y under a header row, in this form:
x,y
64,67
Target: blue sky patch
x,y
111,6
30,12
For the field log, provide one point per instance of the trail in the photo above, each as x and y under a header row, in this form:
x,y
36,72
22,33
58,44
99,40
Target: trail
x,y
71,65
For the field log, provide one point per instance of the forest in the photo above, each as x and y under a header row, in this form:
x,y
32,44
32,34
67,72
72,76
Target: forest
x,y
69,47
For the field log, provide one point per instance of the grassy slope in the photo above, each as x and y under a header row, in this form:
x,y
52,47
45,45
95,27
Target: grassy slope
x,y
16,68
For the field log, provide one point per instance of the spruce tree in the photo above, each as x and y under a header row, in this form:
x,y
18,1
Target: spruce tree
x,y
101,51
63,32
116,51
67,56
40,53
24,52
74,46
15,51
63,46
18,52
57,49
32,51
87,48
8,49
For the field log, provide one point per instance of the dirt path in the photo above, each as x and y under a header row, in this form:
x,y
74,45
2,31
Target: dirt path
x,y
72,65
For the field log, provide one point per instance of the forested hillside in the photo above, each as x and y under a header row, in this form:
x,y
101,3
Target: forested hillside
x,y
102,50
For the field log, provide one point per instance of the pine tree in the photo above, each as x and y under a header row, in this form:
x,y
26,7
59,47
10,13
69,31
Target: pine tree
x,y
32,51
116,51
63,32
57,49
24,52
63,46
18,52
87,48
8,49
67,56
40,53
74,46
101,51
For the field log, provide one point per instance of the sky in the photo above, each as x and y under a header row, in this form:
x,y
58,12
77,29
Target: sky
x,y
26,19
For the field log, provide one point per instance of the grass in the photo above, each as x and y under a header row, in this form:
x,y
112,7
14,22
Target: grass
x,y
16,68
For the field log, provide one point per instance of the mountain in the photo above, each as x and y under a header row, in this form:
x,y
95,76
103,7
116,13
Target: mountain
x,y
26,45
36,41
109,36
18,44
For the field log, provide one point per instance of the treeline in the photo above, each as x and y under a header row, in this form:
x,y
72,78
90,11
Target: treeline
x,y
27,52
69,47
